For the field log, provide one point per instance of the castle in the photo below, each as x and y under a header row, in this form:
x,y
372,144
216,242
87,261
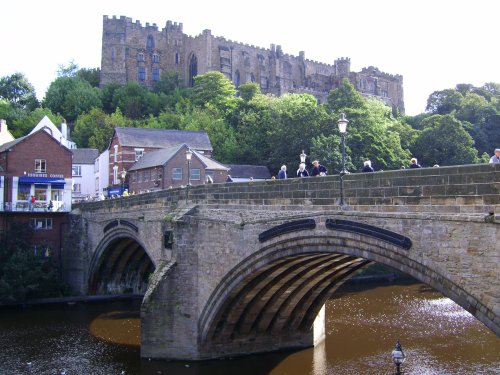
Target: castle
x,y
132,52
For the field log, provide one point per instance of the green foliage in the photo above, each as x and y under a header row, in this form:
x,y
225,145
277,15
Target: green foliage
x,y
444,102
25,274
92,76
71,97
215,90
16,90
444,141
248,91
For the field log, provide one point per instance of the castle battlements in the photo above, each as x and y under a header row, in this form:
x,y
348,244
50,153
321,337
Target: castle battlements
x,y
274,69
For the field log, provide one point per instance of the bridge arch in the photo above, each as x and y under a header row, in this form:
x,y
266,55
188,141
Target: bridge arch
x,y
120,264
274,295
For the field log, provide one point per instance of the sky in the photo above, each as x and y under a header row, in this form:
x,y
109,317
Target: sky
x,y
433,44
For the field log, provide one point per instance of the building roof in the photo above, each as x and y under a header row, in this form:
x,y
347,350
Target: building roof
x,y
163,138
259,172
9,145
84,155
160,157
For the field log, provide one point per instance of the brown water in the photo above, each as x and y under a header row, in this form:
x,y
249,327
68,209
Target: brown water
x,y
363,324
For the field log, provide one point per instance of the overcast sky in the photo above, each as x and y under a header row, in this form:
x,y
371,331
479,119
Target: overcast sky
x,y
433,44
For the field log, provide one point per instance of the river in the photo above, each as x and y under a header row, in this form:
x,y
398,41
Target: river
x,y
363,324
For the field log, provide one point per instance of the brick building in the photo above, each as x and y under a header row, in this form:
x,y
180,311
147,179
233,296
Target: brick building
x,y
131,52
170,168
36,165
128,145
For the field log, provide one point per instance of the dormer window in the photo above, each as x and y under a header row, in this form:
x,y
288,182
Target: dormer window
x,y
139,153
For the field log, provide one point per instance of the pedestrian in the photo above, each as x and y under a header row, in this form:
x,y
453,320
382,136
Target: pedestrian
x,y
318,169
367,167
282,173
496,158
125,193
210,180
32,201
229,179
50,206
302,171
414,163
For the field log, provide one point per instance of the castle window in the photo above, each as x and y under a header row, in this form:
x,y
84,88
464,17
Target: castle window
x,y
150,44
140,56
252,78
156,58
176,58
156,74
141,73
113,55
237,78
193,69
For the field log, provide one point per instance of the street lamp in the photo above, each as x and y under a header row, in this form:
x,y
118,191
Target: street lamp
x,y
189,154
123,174
303,157
398,357
342,123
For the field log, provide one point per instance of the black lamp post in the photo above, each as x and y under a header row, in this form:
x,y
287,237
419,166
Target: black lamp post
x,y
398,357
189,154
303,157
123,175
342,123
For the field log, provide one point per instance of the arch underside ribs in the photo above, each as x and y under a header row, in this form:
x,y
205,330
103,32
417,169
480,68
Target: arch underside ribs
x,y
124,268
283,297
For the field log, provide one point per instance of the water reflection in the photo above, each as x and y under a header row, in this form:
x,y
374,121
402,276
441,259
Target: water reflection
x,y
363,324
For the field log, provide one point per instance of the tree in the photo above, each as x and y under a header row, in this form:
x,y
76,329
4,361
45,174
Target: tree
x,y
248,90
25,273
444,141
215,90
71,97
92,76
135,101
444,102
18,92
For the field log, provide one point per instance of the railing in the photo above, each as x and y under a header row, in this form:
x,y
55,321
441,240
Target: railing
x,y
23,206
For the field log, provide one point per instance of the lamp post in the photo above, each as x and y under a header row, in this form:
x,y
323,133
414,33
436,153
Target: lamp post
x,y
189,154
398,357
342,123
303,157
123,174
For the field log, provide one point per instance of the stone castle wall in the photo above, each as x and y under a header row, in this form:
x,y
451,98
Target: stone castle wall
x,y
132,52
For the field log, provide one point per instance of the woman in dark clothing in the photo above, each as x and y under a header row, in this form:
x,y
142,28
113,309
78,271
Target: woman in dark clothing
x,y
318,169
367,167
302,171
414,163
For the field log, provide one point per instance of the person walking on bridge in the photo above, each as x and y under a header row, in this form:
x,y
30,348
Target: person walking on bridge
x,y
495,158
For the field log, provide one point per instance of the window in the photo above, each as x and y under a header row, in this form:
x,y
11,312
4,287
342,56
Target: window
x,y
139,176
156,58
176,173
139,153
156,74
195,174
176,58
133,177
115,175
96,184
116,153
23,192
41,193
150,44
40,166
141,73
77,188
41,223
140,56
56,195
77,170
96,165
153,174
147,175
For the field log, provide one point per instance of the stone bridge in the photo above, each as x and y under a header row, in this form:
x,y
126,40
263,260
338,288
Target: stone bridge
x,y
241,268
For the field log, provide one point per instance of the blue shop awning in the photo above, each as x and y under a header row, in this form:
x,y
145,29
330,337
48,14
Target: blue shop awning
x,y
41,180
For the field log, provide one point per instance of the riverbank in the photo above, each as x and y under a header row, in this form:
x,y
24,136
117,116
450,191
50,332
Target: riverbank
x,y
74,299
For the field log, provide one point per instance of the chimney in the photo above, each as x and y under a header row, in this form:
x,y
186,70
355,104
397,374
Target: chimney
x,y
64,130
3,125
